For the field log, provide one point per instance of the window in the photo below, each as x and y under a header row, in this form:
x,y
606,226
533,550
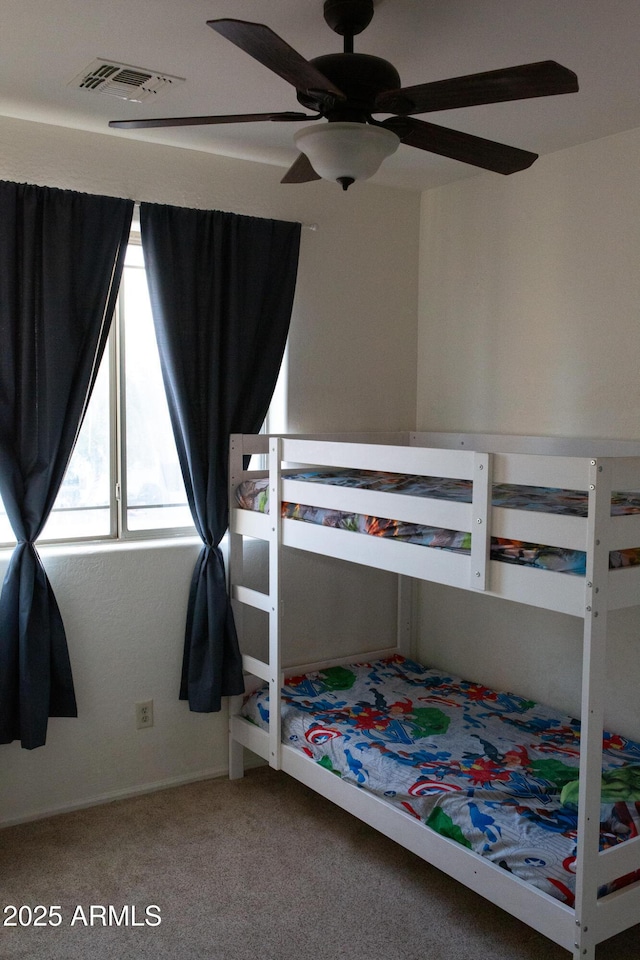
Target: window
x,y
124,478
152,491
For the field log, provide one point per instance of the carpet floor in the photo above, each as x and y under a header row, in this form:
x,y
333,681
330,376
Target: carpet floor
x,y
255,868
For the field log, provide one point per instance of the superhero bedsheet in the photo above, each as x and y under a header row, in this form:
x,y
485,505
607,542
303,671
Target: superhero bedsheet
x,y
492,771
254,495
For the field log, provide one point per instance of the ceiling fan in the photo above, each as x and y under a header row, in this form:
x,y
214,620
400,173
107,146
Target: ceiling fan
x,y
347,89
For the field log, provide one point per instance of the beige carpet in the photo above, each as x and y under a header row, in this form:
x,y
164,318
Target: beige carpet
x,y
258,868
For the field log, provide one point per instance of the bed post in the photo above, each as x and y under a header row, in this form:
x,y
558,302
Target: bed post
x,y
405,639
235,566
236,750
594,674
234,575
275,621
481,533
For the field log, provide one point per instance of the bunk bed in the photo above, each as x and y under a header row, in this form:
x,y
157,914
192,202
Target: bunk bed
x,y
546,522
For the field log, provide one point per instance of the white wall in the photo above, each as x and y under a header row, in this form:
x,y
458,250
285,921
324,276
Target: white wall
x,y
352,367
123,611
529,300
529,297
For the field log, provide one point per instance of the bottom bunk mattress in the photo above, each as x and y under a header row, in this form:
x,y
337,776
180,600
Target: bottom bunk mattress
x,y
492,771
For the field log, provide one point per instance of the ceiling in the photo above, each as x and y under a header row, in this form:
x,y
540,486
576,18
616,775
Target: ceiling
x,y
44,45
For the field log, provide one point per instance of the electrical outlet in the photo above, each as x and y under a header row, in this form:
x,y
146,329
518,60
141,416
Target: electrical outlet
x,y
144,714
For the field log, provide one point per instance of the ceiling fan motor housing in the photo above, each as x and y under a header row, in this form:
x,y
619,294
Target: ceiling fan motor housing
x,y
360,76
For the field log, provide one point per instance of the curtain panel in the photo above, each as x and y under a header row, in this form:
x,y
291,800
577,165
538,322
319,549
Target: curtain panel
x,y
222,289
61,259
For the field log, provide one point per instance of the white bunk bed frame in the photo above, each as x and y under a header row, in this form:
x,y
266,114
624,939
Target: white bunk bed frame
x,y
597,466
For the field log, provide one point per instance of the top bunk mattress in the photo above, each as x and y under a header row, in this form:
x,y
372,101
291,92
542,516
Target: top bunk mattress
x,y
492,771
254,495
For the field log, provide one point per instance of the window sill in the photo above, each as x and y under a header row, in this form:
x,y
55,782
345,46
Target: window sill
x,y
97,547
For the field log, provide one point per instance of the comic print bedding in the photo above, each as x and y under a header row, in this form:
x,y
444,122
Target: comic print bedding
x,y
254,495
492,771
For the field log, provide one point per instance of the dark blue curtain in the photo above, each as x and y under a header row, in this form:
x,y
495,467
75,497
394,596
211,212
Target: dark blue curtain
x,y
61,258
222,290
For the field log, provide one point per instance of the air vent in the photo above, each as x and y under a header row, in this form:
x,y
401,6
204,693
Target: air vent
x,y
123,81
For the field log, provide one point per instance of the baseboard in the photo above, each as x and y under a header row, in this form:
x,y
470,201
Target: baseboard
x,y
122,794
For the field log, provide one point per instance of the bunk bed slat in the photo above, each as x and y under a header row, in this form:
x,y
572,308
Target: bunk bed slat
x,y
618,861
249,524
588,447
457,464
564,473
249,736
439,566
338,661
561,592
551,529
422,510
618,911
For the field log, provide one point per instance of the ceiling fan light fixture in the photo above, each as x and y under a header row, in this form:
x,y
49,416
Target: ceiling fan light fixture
x,y
344,151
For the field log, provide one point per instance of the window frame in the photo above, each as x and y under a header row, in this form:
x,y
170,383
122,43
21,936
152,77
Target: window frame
x,y
120,483
119,531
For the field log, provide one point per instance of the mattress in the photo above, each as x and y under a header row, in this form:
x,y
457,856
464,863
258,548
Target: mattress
x,y
254,495
492,771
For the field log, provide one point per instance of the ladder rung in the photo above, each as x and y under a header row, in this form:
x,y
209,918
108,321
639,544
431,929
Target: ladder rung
x,y
253,598
257,668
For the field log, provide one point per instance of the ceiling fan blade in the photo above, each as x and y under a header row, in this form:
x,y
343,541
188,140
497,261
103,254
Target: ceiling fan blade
x,y
542,79
198,121
460,146
300,171
261,43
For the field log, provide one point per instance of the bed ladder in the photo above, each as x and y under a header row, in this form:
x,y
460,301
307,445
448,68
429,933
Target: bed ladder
x,y
270,603
271,671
